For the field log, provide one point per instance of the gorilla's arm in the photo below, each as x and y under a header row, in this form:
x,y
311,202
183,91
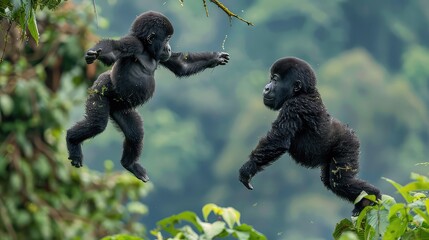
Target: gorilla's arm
x,y
272,146
108,51
186,64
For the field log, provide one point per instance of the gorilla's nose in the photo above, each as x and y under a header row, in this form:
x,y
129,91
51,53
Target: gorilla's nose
x,y
266,89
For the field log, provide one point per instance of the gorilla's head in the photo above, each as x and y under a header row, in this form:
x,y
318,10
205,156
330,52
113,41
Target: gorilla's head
x,y
154,30
289,78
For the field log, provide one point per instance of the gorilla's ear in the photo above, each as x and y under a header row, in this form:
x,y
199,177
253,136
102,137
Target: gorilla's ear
x,y
150,37
297,86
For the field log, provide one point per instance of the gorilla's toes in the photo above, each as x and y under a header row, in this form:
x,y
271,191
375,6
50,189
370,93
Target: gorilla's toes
x,y
139,172
76,161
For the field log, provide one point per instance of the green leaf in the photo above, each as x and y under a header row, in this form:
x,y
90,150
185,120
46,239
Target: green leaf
x,y
396,228
137,207
32,27
212,230
253,234
344,225
188,233
231,216
422,214
427,205
348,236
399,187
6,104
241,235
362,216
122,237
168,224
397,208
378,220
208,208
415,186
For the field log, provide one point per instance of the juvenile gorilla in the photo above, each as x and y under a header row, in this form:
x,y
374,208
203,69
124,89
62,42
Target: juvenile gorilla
x,y
308,133
131,83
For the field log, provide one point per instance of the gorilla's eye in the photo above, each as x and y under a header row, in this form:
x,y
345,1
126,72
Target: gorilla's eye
x,y
275,78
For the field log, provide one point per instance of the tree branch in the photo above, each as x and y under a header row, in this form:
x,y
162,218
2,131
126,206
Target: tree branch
x,y
226,10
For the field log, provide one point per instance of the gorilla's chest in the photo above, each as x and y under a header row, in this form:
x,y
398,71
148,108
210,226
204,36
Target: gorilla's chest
x,y
133,79
309,148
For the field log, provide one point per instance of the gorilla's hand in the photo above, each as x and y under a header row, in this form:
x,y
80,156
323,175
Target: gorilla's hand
x,y
222,58
92,55
247,171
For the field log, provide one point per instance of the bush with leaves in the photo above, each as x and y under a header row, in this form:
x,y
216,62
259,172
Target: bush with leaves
x,y
391,220
42,196
226,223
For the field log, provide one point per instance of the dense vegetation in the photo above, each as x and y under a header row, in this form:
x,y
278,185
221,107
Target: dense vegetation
x,y
371,60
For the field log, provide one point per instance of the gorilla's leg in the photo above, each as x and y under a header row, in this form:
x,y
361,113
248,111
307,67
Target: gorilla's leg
x,y
131,125
343,181
94,122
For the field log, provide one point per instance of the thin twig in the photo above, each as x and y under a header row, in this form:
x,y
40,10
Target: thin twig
x,y
205,7
229,13
95,11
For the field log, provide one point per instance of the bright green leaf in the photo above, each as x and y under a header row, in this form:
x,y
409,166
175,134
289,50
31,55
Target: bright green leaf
x,y
397,208
396,228
416,186
231,216
208,208
399,187
32,27
212,230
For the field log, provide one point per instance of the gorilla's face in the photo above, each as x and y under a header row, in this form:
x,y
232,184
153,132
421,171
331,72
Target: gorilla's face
x,y
159,47
279,89
165,52
289,77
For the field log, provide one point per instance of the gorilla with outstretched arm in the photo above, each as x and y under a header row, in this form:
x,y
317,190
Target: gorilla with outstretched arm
x,y
117,92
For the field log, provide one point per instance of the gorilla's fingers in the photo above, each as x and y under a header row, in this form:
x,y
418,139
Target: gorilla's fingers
x,y
225,55
247,184
76,164
92,55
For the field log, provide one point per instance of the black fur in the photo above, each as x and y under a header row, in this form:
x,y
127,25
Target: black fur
x,y
131,83
308,133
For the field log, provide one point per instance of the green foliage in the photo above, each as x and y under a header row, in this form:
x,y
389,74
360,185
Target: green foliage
x,y
24,13
226,224
42,196
389,219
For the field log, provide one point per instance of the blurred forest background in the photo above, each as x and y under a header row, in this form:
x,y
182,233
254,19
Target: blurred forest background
x,y
371,59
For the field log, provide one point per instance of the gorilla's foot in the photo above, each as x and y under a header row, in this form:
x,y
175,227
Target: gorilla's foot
x,y
138,171
361,205
76,161
75,154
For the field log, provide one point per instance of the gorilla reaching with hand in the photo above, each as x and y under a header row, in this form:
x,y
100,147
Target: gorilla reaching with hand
x,y
131,83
